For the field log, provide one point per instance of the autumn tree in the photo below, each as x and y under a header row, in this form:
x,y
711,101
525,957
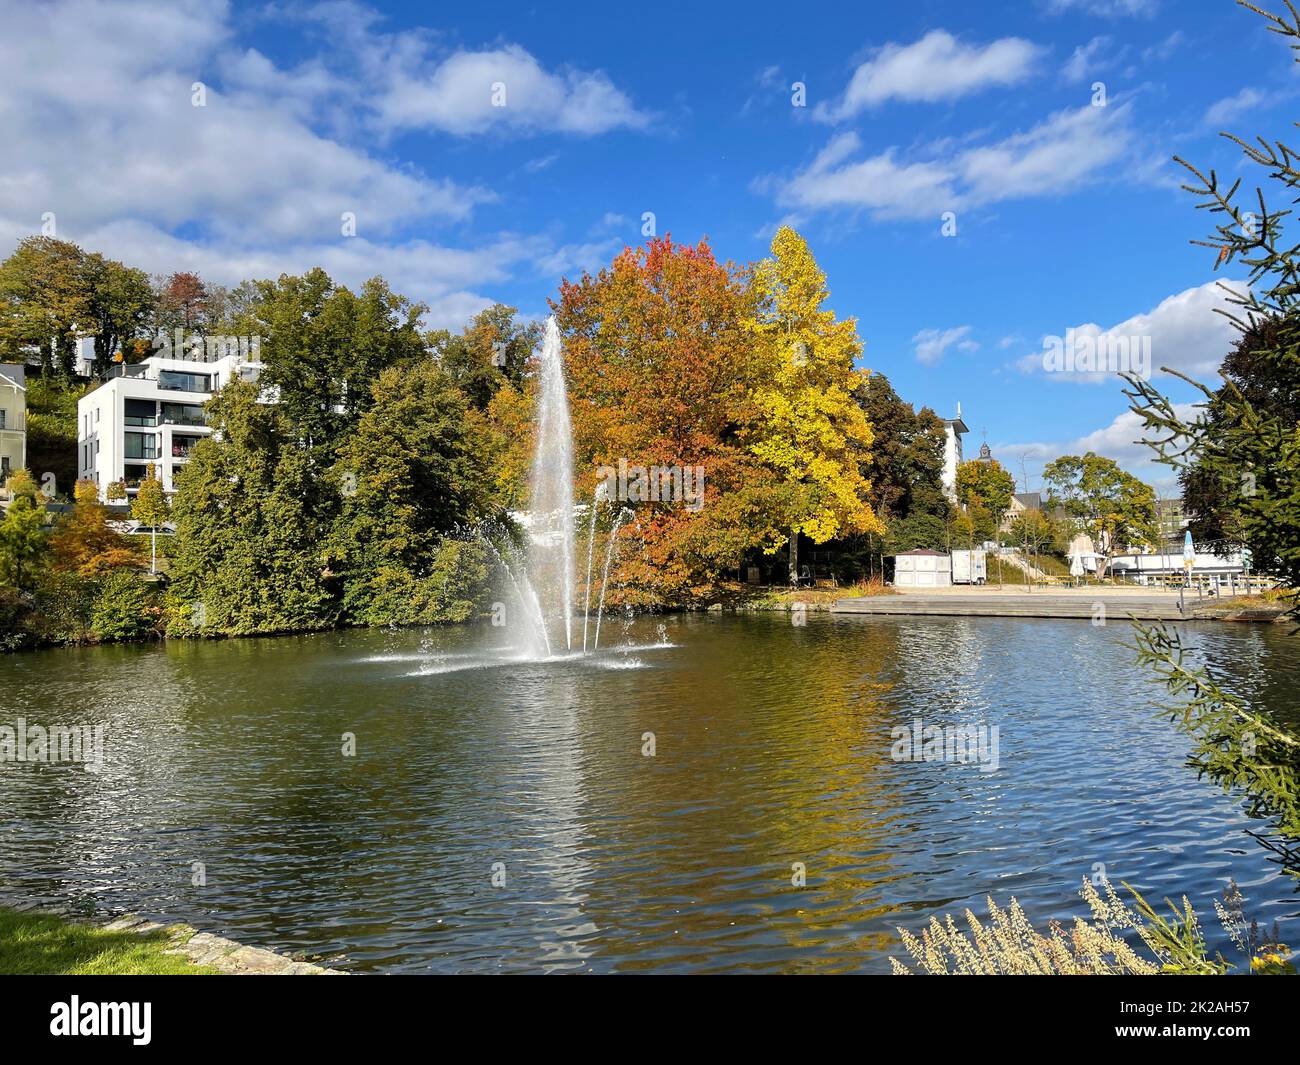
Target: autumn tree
x,y
84,543
662,362
807,427
1111,506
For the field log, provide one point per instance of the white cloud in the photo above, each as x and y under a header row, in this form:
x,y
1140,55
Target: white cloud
x,y
1121,439
1061,153
1225,110
932,343
1087,59
255,182
1106,8
473,92
1183,332
937,67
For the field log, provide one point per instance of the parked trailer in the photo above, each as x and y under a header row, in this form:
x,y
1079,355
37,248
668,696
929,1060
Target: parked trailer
x,y
969,567
922,569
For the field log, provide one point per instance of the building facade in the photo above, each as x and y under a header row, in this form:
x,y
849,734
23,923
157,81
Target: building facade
x,y
150,414
13,419
954,429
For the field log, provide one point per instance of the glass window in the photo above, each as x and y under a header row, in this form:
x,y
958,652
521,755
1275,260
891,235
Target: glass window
x,y
140,412
141,446
183,414
175,380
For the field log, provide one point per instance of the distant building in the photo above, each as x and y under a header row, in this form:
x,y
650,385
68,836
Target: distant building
x,y
1020,502
954,429
150,414
13,418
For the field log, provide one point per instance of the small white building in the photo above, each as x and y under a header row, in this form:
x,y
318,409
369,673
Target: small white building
x,y
150,414
922,569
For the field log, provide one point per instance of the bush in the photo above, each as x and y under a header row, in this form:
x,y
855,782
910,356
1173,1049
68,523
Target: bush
x,y
125,609
62,608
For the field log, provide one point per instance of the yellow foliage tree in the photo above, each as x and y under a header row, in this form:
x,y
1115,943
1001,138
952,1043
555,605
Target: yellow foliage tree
x,y
809,429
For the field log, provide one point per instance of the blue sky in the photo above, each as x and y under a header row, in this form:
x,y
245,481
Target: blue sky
x,y
1068,215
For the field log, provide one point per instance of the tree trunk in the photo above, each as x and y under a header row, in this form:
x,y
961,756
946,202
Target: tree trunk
x,y
794,557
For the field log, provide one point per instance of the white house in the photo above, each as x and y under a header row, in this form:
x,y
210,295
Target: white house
x,y
13,418
955,429
150,414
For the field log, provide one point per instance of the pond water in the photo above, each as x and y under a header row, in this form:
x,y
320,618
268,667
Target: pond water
x,y
772,746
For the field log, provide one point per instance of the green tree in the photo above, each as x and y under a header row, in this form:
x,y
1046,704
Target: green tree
x,y
416,471
492,351
121,303
253,515
1246,443
324,346
1036,532
45,298
150,508
985,490
1112,507
22,532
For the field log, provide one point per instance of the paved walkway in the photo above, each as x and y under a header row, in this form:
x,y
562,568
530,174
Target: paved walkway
x,y
1118,603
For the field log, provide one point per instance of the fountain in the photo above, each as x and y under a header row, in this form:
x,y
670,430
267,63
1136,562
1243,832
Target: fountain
x,y
541,573
550,519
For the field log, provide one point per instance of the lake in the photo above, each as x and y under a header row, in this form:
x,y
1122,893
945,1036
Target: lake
x,y
510,817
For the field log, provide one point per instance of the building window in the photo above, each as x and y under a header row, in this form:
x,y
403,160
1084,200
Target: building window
x,y
3,415
183,414
140,412
183,445
176,381
133,475
141,445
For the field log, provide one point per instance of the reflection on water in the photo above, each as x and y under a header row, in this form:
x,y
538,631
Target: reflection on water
x,y
771,747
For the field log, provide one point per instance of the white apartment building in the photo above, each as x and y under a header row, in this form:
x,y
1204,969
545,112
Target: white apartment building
x,y
150,414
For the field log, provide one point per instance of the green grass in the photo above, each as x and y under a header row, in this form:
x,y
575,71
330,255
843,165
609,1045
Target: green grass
x,y
40,944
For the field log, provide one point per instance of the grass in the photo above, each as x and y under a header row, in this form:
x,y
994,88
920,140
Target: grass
x,y
41,944
817,598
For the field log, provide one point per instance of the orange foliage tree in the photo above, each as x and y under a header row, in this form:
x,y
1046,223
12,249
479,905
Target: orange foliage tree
x,y
662,367
85,543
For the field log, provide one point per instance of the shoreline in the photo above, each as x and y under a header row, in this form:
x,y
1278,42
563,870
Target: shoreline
x,y
208,954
